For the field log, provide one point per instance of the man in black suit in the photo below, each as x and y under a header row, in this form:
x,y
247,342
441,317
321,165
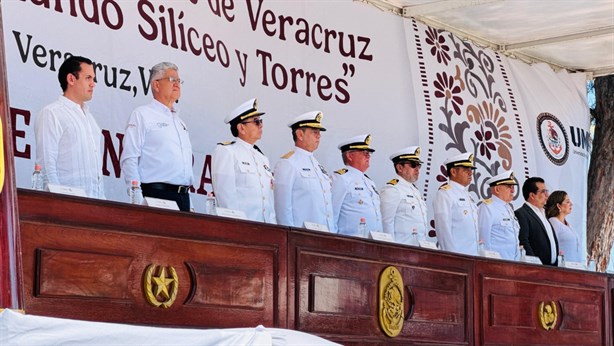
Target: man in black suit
x,y
536,233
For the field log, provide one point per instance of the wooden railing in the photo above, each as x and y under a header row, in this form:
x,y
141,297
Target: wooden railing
x,y
102,261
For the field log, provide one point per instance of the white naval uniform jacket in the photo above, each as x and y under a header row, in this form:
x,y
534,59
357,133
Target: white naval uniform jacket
x,y
354,197
498,227
243,180
456,219
403,210
303,191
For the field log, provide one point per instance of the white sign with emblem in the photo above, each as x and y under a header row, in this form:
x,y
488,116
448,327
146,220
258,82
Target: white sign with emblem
x,y
381,236
492,254
532,259
427,244
67,190
575,265
161,203
235,214
312,226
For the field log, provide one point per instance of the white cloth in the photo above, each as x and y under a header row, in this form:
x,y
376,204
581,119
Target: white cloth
x,y
303,191
157,147
569,240
243,180
403,210
354,197
18,329
542,216
456,219
68,147
499,228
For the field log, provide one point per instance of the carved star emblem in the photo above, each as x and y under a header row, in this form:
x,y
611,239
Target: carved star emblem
x,y
162,283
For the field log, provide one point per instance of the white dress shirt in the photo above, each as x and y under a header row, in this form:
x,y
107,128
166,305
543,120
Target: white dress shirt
x,y
456,219
303,191
499,228
243,180
403,210
569,240
542,216
354,197
157,147
68,147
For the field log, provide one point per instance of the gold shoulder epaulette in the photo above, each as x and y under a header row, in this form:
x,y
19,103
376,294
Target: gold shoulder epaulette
x,y
226,143
341,171
393,182
445,187
288,154
487,201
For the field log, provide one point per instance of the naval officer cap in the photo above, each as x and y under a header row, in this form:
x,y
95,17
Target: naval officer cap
x,y
505,178
309,119
406,154
361,142
460,160
247,110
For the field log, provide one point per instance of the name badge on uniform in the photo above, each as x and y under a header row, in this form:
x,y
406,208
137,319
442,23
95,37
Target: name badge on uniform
x,y
506,222
245,163
307,169
358,188
462,202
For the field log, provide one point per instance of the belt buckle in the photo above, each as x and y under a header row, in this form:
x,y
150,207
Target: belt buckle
x,y
182,189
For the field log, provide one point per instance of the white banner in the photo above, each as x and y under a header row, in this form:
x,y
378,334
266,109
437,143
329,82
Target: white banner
x,y
558,120
471,99
368,71
294,56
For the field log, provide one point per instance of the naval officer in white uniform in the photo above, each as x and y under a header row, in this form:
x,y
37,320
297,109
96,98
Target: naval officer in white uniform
x,y
302,186
403,209
456,216
354,193
496,220
241,174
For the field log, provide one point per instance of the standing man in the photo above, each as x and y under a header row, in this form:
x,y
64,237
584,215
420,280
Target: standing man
x,y
403,209
496,220
536,234
68,139
456,215
157,149
302,186
354,193
242,177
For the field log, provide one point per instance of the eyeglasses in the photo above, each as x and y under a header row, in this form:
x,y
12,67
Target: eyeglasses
x,y
173,80
413,164
256,122
363,152
543,191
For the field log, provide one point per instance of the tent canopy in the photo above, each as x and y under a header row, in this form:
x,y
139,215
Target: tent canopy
x,y
577,35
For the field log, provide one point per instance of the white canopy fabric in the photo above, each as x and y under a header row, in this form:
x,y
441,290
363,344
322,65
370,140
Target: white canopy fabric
x,y
18,329
577,35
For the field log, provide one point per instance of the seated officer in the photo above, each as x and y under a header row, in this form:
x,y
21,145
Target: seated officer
x,y
354,193
302,186
242,178
403,209
456,215
496,220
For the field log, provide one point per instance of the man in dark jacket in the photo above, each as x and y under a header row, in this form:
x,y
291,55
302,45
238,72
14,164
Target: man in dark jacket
x,y
536,233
